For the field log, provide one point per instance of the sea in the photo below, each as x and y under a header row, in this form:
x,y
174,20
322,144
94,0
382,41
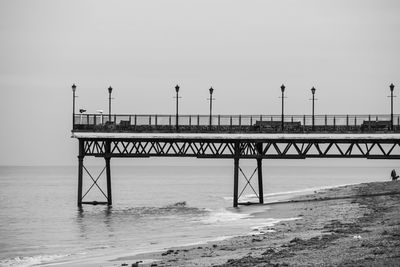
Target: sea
x,y
157,204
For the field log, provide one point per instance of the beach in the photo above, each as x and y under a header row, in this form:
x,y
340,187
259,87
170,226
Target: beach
x,y
353,225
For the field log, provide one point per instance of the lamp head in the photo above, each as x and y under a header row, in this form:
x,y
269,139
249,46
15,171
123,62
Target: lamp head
x,y
391,87
313,90
73,88
177,88
109,90
283,88
211,90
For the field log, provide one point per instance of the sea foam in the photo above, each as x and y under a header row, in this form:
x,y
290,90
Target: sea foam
x,y
224,215
31,261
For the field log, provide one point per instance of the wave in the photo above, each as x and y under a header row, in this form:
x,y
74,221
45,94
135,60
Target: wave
x,y
224,215
31,260
284,195
176,209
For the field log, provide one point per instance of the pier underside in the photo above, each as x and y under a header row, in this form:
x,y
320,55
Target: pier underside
x,y
228,146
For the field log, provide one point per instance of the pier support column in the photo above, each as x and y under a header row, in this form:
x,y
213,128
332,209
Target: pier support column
x,y
236,182
80,171
108,172
260,181
236,176
259,147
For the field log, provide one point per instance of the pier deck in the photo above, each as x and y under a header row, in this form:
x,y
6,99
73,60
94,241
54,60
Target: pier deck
x,y
237,136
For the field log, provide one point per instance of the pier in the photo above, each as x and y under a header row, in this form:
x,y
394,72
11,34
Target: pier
x,y
236,137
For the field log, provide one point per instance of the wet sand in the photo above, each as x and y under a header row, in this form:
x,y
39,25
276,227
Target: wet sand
x,y
355,225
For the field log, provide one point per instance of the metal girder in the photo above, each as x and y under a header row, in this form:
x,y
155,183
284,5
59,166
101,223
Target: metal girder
x,y
272,149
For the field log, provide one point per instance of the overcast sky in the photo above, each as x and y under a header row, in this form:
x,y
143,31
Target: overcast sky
x,y
348,50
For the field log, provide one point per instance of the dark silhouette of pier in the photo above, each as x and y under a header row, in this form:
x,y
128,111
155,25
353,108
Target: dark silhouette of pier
x,y
236,137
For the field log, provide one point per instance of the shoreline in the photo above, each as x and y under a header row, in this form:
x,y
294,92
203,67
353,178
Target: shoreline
x,y
284,197
337,221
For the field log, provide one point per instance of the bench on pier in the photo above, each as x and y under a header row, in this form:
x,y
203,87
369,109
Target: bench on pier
x,y
276,125
376,125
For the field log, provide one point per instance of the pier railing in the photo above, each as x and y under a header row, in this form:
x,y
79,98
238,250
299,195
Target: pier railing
x,y
236,123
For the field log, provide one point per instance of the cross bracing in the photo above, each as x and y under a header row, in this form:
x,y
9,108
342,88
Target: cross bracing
x,y
276,148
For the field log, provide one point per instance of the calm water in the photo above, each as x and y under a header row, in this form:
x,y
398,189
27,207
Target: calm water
x,y
154,206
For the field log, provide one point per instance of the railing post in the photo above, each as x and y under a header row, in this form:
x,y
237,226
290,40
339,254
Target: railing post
x,y
149,120
334,123
115,118
240,121
260,123
219,122
304,123
94,120
369,123
135,121
87,121
198,120
190,120
230,127
326,121
398,121
156,120
347,122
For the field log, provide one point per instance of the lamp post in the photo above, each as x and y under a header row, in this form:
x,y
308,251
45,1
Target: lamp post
x,y
211,99
177,107
283,96
109,103
73,105
313,99
391,106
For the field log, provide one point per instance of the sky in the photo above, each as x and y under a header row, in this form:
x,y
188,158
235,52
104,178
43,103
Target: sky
x,y
349,50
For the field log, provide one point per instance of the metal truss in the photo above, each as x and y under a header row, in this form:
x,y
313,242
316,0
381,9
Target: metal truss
x,y
248,184
280,148
81,168
259,149
94,183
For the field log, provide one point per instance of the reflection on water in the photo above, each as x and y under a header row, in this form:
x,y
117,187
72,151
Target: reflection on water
x,y
88,220
103,225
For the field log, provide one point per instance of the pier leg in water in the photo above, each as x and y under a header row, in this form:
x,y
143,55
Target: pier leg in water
x,y
108,173
260,181
236,175
80,172
236,182
259,147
